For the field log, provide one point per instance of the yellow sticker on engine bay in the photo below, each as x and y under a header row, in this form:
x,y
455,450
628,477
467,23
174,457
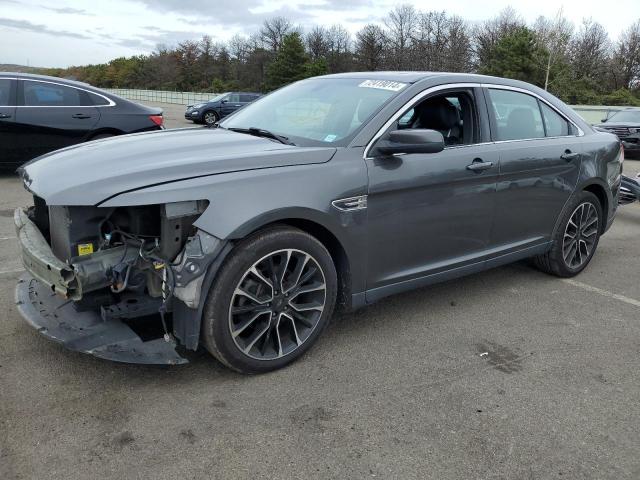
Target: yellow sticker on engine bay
x,y
85,249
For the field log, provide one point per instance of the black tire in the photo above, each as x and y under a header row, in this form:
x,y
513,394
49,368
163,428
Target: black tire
x,y
210,117
554,261
219,319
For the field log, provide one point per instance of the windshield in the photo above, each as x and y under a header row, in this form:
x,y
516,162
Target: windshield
x,y
318,111
625,116
219,97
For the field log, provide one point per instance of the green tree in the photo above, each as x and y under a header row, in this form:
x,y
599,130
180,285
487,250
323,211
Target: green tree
x,y
290,63
516,55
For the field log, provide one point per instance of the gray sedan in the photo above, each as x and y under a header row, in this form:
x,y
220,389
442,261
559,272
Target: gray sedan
x,y
333,191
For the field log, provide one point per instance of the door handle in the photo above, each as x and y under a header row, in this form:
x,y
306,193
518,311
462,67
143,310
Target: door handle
x,y
568,155
478,165
81,116
5,115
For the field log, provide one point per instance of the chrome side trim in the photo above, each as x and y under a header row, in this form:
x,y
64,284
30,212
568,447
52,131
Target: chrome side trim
x,y
351,204
437,88
90,92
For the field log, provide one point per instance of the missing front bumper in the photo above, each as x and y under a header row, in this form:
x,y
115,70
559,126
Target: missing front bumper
x,y
87,332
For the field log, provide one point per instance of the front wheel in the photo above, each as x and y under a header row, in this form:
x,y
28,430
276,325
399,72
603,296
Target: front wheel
x,y
272,299
210,117
576,239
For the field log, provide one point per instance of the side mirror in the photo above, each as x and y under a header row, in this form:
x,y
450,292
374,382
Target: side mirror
x,y
603,120
224,101
411,141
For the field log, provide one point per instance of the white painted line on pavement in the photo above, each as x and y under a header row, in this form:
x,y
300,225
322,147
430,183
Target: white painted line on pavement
x,y
606,293
8,238
17,270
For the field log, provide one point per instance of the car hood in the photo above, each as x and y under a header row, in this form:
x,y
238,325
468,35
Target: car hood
x,y
89,173
618,124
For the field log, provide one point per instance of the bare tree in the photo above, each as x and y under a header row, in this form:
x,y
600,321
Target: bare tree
x,y
589,51
317,42
273,32
401,25
627,57
338,54
370,46
458,58
555,36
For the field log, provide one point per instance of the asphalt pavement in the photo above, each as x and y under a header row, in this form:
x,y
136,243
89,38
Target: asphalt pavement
x,y
507,374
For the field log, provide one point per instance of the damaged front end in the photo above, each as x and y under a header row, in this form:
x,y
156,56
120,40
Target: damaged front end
x,y
120,283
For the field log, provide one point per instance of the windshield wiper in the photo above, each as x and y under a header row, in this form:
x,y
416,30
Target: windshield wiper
x,y
261,132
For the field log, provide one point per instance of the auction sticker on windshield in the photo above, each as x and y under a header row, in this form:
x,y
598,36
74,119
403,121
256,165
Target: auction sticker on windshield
x,y
383,85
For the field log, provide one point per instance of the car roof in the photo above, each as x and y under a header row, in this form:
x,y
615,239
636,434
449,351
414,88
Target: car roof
x,y
414,77
33,76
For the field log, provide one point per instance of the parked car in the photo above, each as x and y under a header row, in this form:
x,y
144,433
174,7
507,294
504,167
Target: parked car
x,y
626,125
219,107
336,190
39,114
629,190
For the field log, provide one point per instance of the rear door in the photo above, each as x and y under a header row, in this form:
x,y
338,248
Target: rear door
x,y
539,166
52,116
9,153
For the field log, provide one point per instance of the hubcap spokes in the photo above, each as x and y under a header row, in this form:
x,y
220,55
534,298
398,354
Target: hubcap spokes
x,y
209,118
580,235
277,304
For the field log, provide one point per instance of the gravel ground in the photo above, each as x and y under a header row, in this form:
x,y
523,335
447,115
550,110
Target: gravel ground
x,y
396,390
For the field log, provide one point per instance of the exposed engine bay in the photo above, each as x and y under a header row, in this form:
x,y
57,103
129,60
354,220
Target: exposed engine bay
x,y
122,263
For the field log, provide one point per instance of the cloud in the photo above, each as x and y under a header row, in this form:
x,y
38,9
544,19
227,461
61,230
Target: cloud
x,y
67,10
27,26
248,14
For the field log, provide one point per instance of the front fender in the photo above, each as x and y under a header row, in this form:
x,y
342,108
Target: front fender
x,y
242,202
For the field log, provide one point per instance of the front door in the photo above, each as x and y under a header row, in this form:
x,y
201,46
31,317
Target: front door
x,y
539,167
429,213
52,116
231,104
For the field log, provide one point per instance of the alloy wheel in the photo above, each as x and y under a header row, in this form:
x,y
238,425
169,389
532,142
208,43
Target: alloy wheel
x,y
580,235
210,118
277,304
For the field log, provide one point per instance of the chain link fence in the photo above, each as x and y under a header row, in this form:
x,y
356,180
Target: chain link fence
x,y
591,113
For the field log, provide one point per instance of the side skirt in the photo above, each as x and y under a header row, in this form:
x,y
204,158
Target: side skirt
x,y
375,294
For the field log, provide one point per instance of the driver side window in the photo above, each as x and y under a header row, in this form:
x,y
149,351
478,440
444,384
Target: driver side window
x,y
453,114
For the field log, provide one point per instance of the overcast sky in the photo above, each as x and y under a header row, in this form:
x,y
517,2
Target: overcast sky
x,y
77,32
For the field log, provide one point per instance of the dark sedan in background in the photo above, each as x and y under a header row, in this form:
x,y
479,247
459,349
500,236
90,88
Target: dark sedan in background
x,y
40,114
219,107
626,125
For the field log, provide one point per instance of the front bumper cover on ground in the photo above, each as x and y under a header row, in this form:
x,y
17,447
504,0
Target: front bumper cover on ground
x,y
86,331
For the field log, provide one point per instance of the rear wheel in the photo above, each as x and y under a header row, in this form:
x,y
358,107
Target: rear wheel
x,y
576,239
272,299
210,117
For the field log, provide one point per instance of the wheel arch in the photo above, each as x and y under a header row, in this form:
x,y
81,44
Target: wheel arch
x,y
318,229
600,191
104,131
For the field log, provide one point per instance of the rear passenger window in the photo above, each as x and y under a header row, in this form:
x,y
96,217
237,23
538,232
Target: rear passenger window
x,y
44,94
517,115
5,92
246,98
98,99
556,125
